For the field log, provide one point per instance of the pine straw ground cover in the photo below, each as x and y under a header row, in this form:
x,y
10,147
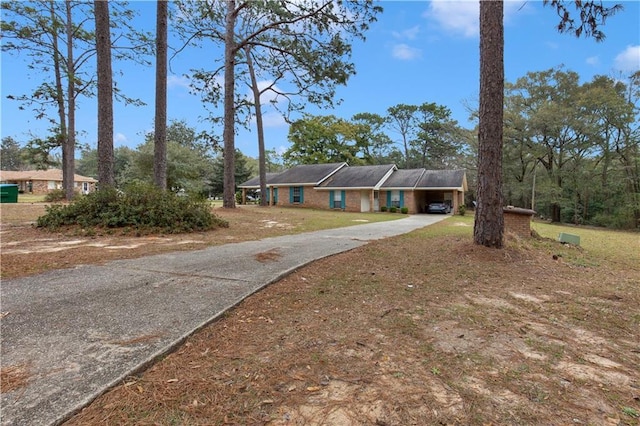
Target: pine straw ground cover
x,y
420,329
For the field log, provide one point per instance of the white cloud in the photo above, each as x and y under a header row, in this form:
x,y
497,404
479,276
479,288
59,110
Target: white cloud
x,y
409,34
458,17
593,60
119,138
273,119
269,96
629,59
404,52
462,17
552,45
178,81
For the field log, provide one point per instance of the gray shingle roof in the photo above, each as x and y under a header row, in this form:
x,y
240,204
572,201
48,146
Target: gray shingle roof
x,y
358,177
254,182
340,175
441,179
403,178
306,174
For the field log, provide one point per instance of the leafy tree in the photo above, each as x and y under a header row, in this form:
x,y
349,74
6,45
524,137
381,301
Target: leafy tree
x,y
402,120
435,142
303,42
324,139
39,152
377,146
242,173
10,154
87,164
189,160
273,161
60,43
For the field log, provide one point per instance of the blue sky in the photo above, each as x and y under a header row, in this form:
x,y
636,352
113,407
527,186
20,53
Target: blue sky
x,y
417,51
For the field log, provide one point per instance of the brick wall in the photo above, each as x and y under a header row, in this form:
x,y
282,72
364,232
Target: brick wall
x,y
409,201
310,198
518,221
42,187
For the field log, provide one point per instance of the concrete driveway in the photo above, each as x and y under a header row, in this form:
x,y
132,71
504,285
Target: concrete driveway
x,y
78,332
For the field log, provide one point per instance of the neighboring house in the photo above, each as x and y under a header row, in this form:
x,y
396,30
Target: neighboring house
x,y
363,188
45,181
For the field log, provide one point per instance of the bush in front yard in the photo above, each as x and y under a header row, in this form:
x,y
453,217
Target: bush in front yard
x,y
383,208
143,208
55,196
404,210
393,209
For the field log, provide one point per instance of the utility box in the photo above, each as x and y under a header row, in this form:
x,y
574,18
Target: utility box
x,y
569,238
8,193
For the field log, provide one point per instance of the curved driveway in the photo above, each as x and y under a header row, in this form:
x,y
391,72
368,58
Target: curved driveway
x,y
78,332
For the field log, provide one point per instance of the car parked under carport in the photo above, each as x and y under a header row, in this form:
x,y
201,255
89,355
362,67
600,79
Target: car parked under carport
x,y
438,208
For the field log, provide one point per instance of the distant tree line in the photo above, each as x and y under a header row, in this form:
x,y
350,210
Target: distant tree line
x,y
571,150
193,166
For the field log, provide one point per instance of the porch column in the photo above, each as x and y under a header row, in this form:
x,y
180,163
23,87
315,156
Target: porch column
x,y
456,201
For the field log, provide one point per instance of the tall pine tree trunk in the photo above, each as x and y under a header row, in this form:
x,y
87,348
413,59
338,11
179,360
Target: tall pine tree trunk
x,y
262,169
489,221
62,128
228,134
160,133
69,147
105,95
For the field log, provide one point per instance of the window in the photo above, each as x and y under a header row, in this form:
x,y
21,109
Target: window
x,y
395,199
337,199
297,194
51,184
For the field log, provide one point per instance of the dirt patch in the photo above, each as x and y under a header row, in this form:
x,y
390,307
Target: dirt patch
x,y
269,256
13,377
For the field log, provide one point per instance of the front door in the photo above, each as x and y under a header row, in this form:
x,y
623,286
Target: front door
x,y
365,203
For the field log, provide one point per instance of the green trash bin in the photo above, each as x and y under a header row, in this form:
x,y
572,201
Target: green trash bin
x,y
8,193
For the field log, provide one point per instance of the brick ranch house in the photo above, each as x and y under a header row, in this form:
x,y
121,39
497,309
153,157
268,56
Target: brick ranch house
x,y
362,188
45,181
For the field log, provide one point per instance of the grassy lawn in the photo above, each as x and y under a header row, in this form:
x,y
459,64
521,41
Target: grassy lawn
x,y
30,198
619,247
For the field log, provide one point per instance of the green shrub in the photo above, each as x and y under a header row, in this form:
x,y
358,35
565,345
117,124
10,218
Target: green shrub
x,y
393,209
462,210
55,196
404,210
383,208
143,208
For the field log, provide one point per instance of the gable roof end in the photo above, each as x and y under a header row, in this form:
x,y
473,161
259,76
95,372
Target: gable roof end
x,y
404,178
453,179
